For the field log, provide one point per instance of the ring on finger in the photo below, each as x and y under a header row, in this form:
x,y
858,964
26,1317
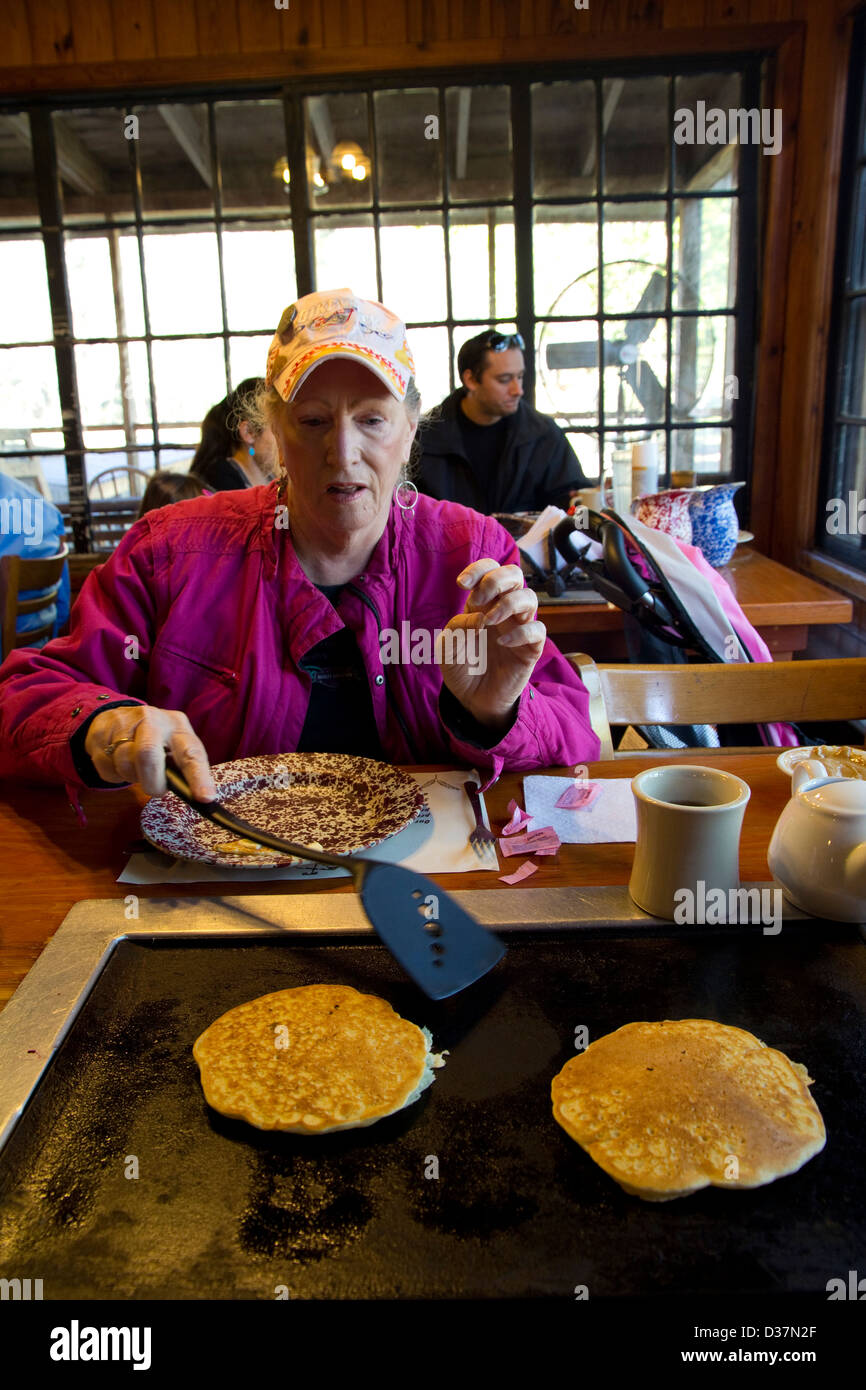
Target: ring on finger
x,y
109,748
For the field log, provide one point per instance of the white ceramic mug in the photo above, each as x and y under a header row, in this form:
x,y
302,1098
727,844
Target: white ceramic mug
x,y
689,820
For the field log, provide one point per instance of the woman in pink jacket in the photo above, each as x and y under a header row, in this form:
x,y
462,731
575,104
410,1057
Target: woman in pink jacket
x,y
332,612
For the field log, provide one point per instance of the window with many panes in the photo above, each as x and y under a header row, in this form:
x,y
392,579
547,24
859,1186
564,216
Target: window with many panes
x,y
841,519
562,207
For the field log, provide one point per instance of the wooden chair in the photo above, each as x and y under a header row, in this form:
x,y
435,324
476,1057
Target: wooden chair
x,y
757,693
123,481
18,575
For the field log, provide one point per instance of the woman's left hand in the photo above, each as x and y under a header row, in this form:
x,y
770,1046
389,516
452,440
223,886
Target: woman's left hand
x,y
509,641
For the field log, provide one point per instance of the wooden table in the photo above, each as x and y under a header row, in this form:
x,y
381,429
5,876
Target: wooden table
x,y
779,602
50,862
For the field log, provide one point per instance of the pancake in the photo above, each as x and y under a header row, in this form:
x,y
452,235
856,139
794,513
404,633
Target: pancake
x,y
313,1059
664,1107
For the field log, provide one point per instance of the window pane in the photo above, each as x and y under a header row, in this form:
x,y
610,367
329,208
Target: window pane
x,y
17,181
702,387
248,356
430,351
183,288
413,267
136,382
93,158
704,158
853,394
189,377
635,370
178,460
705,253
479,143
636,134
175,157
103,439
566,363
53,470
586,448
563,139
565,261
505,288
699,453
251,139
635,243
25,313
28,390
130,281
408,146
482,264
88,267
850,461
259,270
115,473
858,234
97,368
45,473
338,141
346,255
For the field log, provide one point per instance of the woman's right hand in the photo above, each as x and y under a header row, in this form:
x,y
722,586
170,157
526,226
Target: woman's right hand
x,y
129,743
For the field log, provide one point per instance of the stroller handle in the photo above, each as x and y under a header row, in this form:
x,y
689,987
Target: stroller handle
x,y
615,576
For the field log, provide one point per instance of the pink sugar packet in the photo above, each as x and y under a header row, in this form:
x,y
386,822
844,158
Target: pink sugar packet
x,y
518,820
579,798
543,838
526,868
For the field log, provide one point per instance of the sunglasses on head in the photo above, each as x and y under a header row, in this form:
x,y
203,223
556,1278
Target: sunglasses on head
x,y
498,342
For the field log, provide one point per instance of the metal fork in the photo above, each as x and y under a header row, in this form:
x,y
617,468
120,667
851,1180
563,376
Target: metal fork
x,y
481,838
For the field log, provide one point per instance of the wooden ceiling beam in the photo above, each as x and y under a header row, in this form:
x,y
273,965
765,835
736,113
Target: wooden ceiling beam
x,y
77,166
189,130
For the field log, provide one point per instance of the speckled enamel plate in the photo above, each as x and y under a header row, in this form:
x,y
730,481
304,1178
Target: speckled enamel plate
x,y
332,801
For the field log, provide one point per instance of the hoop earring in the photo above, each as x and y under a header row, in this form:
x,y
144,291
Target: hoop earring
x,y
406,482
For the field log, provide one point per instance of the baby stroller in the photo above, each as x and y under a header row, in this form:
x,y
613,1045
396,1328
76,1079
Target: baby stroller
x,y
677,607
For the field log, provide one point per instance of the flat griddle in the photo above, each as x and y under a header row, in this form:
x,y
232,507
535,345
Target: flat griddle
x,y
220,1210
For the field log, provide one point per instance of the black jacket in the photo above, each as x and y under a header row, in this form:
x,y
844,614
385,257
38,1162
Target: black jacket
x,y
538,465
223,475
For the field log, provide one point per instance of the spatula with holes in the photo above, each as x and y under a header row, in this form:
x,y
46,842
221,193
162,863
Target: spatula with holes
x,y
439,945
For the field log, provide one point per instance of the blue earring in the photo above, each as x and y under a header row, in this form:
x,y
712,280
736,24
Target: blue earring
x,y
252,452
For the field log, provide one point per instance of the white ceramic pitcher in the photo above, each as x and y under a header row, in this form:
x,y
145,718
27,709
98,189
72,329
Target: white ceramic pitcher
x,y
817,854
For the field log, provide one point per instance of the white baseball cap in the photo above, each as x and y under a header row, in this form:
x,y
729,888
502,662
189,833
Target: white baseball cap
x,y
336,323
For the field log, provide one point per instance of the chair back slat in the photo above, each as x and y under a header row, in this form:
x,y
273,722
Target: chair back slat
x,y
753,693
17,576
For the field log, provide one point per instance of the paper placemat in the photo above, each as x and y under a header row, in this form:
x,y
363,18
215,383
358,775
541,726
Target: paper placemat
x,y
610,819
437,842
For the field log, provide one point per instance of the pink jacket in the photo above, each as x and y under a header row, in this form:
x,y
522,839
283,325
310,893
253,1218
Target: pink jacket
x,y
204,608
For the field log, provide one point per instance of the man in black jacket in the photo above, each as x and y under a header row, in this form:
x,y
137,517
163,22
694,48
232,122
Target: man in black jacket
x,y
485,447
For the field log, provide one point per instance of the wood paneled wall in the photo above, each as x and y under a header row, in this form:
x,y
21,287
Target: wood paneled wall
x,y
81,45
329,34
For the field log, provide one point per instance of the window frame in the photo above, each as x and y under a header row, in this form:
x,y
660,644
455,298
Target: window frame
x,y
292,93
850,550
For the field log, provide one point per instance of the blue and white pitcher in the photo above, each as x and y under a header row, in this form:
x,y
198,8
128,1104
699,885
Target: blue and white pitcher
x,y
715,524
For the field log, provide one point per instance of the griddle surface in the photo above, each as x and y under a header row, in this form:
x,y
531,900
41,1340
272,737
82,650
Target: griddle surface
x,y
222,1211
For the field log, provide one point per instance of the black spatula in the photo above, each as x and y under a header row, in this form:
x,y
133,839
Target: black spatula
x,y
439,945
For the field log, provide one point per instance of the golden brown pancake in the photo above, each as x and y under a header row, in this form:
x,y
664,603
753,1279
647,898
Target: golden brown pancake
x,y
313,1059
668,1108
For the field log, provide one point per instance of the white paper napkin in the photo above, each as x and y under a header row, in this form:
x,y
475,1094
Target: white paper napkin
x,y
534,543
610,819
437,841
